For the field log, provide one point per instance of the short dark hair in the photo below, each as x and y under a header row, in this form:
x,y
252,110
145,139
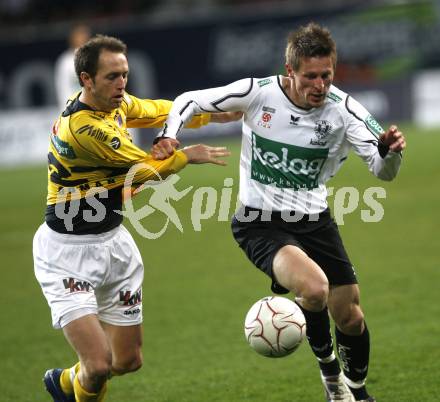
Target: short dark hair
x,y
311,40
87,56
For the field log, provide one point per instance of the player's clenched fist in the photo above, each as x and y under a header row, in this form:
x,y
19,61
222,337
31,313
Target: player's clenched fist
x,y
164,148
394,139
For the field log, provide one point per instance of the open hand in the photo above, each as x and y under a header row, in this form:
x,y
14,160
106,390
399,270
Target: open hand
x,y
202,153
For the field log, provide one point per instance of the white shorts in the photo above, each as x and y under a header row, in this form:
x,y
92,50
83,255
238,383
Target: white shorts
x,y
100,274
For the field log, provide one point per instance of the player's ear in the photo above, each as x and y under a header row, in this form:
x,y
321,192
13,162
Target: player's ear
x,y
85,78
289,70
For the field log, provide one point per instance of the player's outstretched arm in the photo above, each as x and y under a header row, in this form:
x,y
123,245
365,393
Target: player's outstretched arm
x,y
164,147
226,117
202,153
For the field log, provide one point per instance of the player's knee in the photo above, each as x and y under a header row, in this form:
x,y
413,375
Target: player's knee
x,y
315,295
352,323
97,370
128,364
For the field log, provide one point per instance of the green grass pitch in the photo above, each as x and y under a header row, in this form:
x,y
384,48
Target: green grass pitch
x,y
198,287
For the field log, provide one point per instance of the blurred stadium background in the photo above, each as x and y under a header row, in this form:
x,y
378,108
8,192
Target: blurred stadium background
x,y
389,59
388,53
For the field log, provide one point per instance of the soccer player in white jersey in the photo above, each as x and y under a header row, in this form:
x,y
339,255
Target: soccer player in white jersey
x,y
86,262
297,131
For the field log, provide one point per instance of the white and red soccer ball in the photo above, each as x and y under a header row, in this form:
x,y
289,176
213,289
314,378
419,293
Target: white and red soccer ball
x,y
275,326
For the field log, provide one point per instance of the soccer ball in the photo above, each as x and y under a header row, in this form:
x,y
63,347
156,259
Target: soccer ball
x,y
275,326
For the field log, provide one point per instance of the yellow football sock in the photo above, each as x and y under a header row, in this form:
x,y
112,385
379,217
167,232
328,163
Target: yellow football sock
x,y
66,384
66,378
81,395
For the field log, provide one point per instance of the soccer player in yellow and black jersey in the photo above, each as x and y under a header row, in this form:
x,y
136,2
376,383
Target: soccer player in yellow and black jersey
x,y
91,151
86,262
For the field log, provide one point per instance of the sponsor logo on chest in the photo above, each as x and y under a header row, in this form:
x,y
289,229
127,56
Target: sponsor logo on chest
x,y
285,165
92,131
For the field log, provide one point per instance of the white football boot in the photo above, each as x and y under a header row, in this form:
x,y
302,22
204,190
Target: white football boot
x,y
336,389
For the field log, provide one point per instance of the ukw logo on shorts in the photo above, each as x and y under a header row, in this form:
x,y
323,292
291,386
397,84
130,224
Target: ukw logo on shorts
x,y
76,285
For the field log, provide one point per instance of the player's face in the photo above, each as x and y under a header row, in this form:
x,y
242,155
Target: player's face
x,y
312,81
107,89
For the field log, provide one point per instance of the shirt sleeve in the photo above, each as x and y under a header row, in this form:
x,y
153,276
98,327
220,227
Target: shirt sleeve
x,y
149,113
234,97
363,133
110,149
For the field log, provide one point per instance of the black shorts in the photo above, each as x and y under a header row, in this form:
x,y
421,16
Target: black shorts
x,y
319,239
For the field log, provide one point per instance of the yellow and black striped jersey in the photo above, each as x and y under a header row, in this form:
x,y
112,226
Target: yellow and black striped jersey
x,y
90,153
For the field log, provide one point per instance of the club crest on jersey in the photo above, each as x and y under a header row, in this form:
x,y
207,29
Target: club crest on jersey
x,y
322,129
265,119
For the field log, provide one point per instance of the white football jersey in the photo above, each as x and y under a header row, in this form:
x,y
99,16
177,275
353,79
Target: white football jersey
x,y
289,153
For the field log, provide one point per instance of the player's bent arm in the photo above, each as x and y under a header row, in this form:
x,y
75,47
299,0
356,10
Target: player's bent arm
x,y
117,152
234,97
382,162
226,117
387,168
152,113
365,135
120,152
